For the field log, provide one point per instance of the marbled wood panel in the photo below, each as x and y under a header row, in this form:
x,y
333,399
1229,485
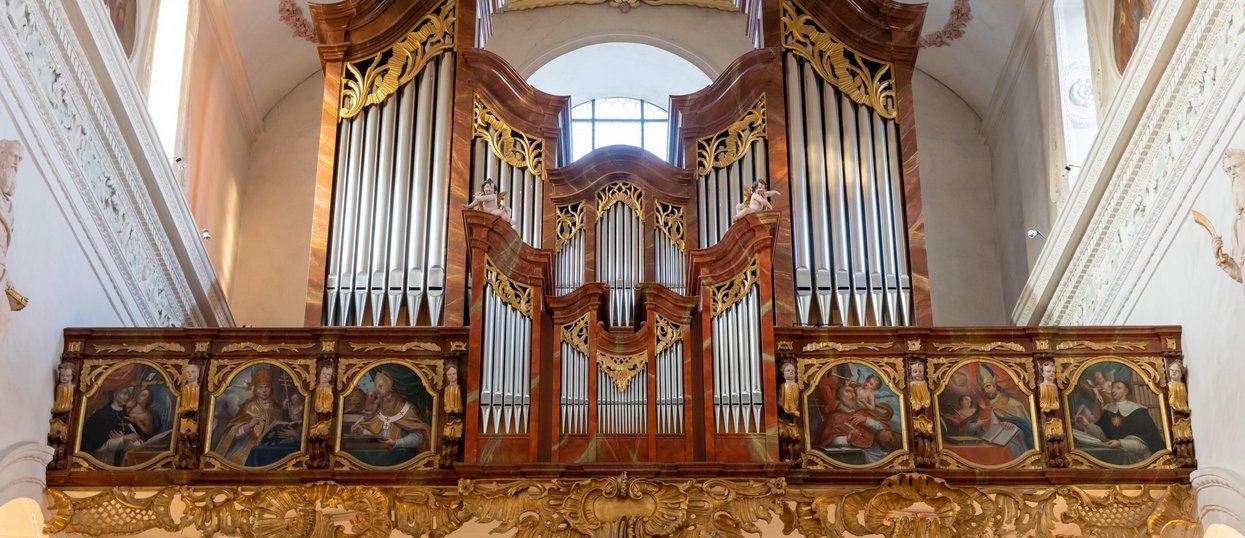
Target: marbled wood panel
x,y
745,447
465,27
354,29
769,386
471,404
784,311
572,449
460,195
918,260
771,22
322,209
621,448
503,449
717,106
580,180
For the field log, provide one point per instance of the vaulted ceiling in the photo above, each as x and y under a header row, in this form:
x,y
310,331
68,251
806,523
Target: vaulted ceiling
x,y
274,59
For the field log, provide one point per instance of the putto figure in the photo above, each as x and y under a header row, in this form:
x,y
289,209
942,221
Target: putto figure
x,y
758,201
490,201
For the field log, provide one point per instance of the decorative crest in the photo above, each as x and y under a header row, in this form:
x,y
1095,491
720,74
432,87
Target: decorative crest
x,y
726,147
517,148
384,73
518,296
866,80
622,369
726,294
622,191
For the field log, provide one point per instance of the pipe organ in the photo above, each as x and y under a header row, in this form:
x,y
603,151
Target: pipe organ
x,y
617,313
790,200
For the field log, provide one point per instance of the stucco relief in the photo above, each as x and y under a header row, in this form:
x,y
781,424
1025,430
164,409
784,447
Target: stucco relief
x,y
10,159
1231,262
957,21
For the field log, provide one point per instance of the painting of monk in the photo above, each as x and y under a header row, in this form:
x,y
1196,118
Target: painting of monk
x,y
258,418
387,416
984,416
128,417
854,416
1115,416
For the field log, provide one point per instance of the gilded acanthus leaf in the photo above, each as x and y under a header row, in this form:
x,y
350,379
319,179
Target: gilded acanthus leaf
x,y
722,149
396,348
670,223
568,221
575,333
515,294
372,80
726,294
517,148
1101,346
867,81
837,346
621,191
667,333
622,369
171,347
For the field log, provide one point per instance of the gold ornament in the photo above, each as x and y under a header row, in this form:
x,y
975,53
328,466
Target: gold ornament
x,y
670,223
726,147
918,394
1178,395
388,70
1048,397
453,398
517,148
622,369
621,191
518,296
63,402
866,80
568,221
726,294
575,333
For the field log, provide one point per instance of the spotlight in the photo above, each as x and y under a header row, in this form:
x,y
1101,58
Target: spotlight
x,y
1034,233
205,234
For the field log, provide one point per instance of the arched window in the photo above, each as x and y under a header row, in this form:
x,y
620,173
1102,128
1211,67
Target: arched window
x,y
598,123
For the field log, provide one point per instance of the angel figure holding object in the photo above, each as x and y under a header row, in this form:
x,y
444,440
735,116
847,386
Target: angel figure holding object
x,y
490,201
758,201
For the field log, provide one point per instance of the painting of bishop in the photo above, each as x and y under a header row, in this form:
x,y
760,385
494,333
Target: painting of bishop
x,y
854,417
984,416
258,417
386,416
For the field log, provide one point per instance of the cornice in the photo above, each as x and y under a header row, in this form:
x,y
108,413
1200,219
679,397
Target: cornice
x,y
107,170
1137,178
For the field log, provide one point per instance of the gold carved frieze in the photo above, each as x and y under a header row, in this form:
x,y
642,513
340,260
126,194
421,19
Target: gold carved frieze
x,y
568,221
980,347
841,347
575,333
722,149
1101,346
726,294
252,347
624,192
670,218
1019,368
515,294
668,333
866,80
834,434
622,369
371,81
517,148
153,347
396,348
902,505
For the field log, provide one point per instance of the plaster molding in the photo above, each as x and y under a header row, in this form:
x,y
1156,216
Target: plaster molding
x,y
235,71
70,84
957,21
1220,497
293,16
22,470
1130,176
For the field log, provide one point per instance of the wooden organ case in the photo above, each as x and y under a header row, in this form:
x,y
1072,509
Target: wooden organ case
x,y
547,323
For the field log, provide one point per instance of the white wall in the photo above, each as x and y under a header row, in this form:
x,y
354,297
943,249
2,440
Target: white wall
x,y
958,200
270,285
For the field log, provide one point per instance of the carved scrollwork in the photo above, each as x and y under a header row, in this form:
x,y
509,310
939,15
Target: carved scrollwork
x,y
622,369
980,348
253,347
722,149
168,347
668,333
1101,346
1020,368
866,80
575,333
396,348
670,223
517,148
621,191
372,80
568,221
517,295
840,347
726,294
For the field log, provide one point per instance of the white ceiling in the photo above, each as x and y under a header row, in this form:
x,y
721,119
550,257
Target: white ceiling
x,y
602,70
275,61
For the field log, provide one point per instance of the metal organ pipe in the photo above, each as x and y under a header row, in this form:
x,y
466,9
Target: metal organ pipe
x,y
438,206
818,159
332,291
367,201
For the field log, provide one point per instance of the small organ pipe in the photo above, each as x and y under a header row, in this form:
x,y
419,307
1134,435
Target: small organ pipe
x,y
819,136
383,208
438,204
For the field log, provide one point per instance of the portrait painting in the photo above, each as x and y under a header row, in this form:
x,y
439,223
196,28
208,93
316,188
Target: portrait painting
x,y
387,416
855,417
1127,18
128,417
984,417
1115,417
257,419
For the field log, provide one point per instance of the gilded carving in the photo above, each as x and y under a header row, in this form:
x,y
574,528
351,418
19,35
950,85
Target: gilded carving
x,y
980,348
1101,346
620,191
568,221
515,294
517,148
670,223
263,348
866,80
722,149
396,348
914,345
384,73
840,347
668,333
623,5
622,369
169,347
575,333
726,294
839,395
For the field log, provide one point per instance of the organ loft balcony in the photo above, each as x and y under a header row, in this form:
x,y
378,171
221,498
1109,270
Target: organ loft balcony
x,y
735,338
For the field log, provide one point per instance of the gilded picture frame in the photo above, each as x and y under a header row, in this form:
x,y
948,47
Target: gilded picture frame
x,y
143,374
887,446
350,378
1143,387
1000,390
294,376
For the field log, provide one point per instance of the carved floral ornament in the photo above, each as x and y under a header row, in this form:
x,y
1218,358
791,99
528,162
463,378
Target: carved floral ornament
x,y
568,221
670,223
903,505
622,369
726,294
866,80
517,295
726,147
517,148
371,81
624,192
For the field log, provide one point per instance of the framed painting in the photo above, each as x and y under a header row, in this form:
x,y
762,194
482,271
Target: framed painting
x,y
388,414
985,413
257,413
854,411
1116,413
127,415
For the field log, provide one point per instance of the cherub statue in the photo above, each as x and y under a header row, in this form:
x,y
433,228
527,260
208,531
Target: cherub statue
x,y
64,390
918,390
490,201
189,397
789,396
1048,390
1234,165
758,201
324,390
